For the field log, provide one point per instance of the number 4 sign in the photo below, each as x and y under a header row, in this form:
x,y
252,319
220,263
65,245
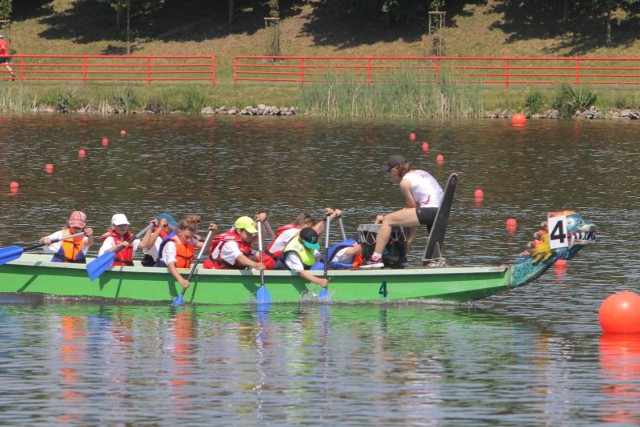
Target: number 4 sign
x,y
558,232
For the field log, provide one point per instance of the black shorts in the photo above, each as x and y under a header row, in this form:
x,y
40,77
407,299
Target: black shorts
x,y
426,216
4,59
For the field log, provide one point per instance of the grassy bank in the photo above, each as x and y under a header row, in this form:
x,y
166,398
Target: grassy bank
x,y
480,29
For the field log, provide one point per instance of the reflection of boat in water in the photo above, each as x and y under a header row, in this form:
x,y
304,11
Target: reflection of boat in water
x,y
34,273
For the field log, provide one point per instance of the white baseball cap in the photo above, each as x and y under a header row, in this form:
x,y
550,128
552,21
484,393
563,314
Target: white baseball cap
x,y
119,219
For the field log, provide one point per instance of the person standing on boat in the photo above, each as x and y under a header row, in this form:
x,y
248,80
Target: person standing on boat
x,y
233,249
286,233
423,196
163,225
70,250
301,254
119,240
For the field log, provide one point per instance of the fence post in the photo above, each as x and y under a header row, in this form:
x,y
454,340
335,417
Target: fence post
x,y
369,70
506,73
437,82
235,66
148,70
213,70
301,70
577,72
84,70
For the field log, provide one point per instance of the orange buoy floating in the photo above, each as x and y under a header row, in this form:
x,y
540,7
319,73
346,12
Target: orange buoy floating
x,y
511,222
478,194
412,136
620,313
82,152
560,264
14,185
123,132
425,146
439,159
519,119
105,142
49,168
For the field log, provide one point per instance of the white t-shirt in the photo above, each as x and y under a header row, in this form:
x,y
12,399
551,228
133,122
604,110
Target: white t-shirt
x,y
283,240
294,262
343,257
229,251
155,249
55,247
110,242
425,189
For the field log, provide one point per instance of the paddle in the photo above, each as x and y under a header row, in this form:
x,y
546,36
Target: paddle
x,y
324,292
262,296
14,252
178,301
99,265
269,229
344,235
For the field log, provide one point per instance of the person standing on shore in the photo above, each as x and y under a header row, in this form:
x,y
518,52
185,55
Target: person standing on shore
x,y
4,56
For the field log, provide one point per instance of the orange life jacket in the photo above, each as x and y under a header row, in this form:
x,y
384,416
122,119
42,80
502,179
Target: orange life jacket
x,y
71,251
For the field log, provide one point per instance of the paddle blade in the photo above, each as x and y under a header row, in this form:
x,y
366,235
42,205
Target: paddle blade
x,y
99,265
323,294
178,301
10,253
263,296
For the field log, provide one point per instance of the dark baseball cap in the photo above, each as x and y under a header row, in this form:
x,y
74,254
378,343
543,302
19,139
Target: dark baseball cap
x,y
309,238
395,160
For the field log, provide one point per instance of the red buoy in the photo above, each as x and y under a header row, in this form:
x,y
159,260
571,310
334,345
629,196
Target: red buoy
x,y
439,159
519,119
14,185
425,146
620,313
82,152
123,132
105,141
560,264
478,194
512,223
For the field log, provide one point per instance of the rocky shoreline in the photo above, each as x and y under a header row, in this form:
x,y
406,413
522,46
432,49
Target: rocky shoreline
x,y
590,114
266,110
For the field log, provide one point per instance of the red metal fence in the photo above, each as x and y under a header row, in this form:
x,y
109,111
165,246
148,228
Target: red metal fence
x,y
498,71
86,68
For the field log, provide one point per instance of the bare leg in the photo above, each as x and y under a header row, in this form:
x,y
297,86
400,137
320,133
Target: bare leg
x,y
404,217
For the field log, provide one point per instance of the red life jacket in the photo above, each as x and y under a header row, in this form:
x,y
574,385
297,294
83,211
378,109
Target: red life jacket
x,y
270,258
125,255
218,241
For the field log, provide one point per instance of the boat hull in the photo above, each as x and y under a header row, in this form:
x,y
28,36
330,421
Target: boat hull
x,y
35,274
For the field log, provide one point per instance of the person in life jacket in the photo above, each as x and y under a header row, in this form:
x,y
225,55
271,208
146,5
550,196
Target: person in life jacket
x,y
233,248
343,255
70,250
177,250
150,243
119,240
301,254
5,57
286,233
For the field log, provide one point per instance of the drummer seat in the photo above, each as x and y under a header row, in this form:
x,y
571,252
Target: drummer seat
x,y
433,251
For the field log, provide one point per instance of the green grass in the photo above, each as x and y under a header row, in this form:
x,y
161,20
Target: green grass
x,y
483,29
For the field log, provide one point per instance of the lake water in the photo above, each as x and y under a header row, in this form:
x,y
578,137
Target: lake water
x,y
533,356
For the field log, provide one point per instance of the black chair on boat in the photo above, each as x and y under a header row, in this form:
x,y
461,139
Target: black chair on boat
x,y
433,252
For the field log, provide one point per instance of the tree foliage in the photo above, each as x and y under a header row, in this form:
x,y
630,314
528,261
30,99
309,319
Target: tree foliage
x,y
5,9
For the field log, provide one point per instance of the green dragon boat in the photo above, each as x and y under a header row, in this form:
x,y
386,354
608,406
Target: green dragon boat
x,y
565,235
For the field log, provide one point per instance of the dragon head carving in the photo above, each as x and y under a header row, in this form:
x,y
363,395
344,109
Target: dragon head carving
x,y
573,232
578,234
